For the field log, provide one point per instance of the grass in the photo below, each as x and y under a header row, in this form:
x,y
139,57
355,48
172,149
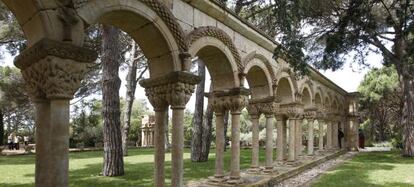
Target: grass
x,y
371,169
18,171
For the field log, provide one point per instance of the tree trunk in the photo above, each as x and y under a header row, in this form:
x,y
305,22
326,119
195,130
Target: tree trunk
x,y
113,159
207,128
129,97
226,125
408,111
1,128
196,142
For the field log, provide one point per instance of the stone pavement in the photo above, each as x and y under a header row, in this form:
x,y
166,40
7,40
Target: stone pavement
x,y
281,172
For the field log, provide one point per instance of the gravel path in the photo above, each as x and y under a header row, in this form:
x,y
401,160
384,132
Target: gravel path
x,y
305,178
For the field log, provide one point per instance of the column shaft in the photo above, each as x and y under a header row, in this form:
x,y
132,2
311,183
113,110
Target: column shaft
x,y
269,141
59,152
310,136
220,140
328,135
255,142
285,139
298,136
159,147
280,152
335,135
177,146
43,140
320,145
235,145
292,140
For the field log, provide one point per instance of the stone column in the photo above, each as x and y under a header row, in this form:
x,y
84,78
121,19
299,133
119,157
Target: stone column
x,y
269,143
220,141
175,89
161,112
328,135
280,142
43,140
298,136
298,133
352,134
321,134
254,116
236,102
335,141
310,136
53,72
255,143
285,139
292,140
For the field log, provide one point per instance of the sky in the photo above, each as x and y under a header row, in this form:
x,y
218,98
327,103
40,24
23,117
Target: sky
x,y
347,78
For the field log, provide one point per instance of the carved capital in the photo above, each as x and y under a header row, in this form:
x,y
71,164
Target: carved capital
x,y
311,113
234,100
173,89
292,110
54,70
253,109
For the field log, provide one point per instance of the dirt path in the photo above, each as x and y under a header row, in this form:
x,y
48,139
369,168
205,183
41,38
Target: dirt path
x,y
305,178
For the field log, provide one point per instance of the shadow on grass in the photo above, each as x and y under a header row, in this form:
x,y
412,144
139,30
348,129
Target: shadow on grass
x,y
357,172
136,174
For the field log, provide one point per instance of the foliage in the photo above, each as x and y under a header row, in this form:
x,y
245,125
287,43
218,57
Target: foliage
x,y
11,35
86,124
139,109
381,100
14,102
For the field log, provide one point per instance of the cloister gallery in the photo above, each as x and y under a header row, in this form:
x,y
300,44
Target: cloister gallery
x,y
171,33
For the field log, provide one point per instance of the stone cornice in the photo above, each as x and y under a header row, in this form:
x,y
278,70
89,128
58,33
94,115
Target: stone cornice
x,y
232,92
173,77
47,47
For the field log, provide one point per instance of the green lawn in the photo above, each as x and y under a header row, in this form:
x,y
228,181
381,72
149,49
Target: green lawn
x,y
371,169
18,171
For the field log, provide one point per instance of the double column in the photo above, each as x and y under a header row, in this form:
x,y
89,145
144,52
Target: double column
x,y
281,138
256,108
321,129
53,72
173,89
294,111
234,100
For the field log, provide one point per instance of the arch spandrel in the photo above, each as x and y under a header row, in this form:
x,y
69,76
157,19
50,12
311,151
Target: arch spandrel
x,y
216,49
149,23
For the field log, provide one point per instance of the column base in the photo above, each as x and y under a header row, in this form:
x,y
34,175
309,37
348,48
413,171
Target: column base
x,y
217,179
254,169
235,180
269,170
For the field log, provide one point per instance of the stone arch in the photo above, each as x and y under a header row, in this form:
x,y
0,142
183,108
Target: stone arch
x,y
307,93
259,78
327,102
286,83
319,97
216,49
255,55
285,89
149,23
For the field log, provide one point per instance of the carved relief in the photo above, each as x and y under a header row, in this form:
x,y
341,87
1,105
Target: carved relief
x,y
174,89
54,69
234,100
220,35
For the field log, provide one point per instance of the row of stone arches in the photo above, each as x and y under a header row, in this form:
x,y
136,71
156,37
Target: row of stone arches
x,y
55,28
